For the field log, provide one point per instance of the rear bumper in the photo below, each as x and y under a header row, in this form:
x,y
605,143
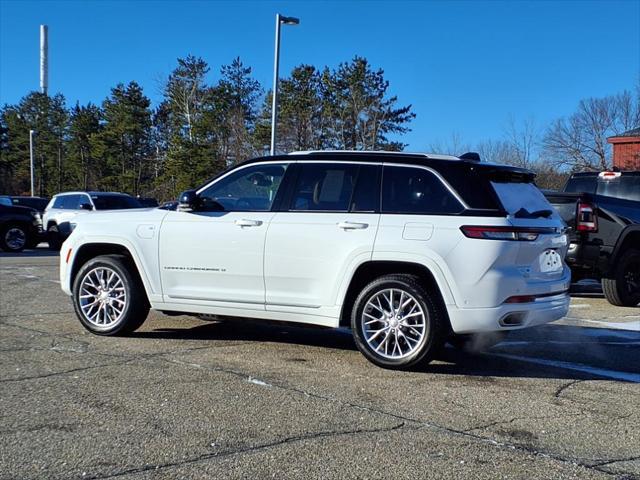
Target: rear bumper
x,y
475,320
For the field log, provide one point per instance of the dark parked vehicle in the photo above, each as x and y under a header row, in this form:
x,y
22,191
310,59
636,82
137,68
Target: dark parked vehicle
x,y
603,212
20,227
147,202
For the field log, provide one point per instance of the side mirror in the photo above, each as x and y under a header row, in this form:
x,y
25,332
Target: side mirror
x,y
86,206
188,201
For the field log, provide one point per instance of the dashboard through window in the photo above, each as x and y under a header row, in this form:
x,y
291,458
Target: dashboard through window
x,y
416,190
249,189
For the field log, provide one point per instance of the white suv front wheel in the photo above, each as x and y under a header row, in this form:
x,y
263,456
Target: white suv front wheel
x,y
108,296
396,322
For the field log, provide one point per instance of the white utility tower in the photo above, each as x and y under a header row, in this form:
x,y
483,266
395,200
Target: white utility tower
x,y
44,58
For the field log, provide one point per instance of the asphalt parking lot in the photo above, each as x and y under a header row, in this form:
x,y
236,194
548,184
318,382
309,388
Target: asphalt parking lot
x,y
185,398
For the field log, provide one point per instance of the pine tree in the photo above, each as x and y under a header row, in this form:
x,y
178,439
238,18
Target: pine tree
x,y
48,117
84,166
125,141
361,113
239,94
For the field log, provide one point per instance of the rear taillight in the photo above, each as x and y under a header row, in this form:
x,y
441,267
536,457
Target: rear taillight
x,y
524,234
586,218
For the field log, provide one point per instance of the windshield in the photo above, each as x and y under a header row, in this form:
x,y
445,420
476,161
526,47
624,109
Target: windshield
x,y
114,202
517,196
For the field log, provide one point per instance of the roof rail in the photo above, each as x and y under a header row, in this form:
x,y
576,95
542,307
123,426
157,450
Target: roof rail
x,y
378,152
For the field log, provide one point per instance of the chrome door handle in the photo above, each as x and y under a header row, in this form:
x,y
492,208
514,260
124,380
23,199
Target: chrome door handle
x,y
243,222
352,225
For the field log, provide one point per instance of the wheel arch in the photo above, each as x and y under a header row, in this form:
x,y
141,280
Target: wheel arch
x,y
87,251
629,237
372,269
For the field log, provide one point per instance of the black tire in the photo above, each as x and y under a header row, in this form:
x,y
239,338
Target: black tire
x,y
623,289
13,237
476,342
136,306
434,331
53,237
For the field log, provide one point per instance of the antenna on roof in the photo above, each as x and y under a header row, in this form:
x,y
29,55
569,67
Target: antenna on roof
x,y
471,156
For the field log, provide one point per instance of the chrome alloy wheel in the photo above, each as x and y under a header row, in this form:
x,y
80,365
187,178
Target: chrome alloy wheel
x,y
15,238
102,297
393,323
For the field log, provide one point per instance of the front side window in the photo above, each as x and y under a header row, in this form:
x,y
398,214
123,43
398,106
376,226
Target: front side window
x,y
416,191
6,201
250,189
58,202
72,202
324,187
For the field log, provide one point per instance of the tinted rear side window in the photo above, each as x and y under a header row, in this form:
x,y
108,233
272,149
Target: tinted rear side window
x,y
416,190
324,187
366,196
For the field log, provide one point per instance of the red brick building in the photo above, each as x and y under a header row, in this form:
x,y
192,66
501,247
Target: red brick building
x,y
626,150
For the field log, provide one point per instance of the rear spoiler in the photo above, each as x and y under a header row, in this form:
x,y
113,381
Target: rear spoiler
x,y
509,174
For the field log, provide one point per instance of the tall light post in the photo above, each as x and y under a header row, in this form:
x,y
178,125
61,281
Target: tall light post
x,y
31,156
280,20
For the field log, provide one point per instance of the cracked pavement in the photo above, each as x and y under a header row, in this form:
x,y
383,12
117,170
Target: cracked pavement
x,y
185,398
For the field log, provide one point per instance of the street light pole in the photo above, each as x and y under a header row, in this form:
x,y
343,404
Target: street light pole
x,y
31,132
276,63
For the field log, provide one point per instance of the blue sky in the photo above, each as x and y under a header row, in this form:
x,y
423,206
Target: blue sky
x,y
465,66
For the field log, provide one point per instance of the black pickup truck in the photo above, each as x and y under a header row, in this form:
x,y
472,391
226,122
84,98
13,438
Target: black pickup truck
x,y
602,211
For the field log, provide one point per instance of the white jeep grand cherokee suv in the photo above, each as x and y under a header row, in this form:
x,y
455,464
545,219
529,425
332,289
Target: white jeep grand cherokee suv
x,y
407,249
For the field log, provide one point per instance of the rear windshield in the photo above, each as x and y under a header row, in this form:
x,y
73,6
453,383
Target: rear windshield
x,y
37,203
626,187
114,202
581,185
515,196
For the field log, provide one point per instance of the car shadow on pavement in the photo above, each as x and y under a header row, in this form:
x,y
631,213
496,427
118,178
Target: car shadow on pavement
x,y
550,351
246,330
35,252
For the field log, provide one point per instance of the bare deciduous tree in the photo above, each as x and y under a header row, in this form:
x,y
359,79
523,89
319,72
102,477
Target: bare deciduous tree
x,y
579,142
454,145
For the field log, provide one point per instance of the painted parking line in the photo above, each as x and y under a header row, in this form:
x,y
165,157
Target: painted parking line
x,y
577,367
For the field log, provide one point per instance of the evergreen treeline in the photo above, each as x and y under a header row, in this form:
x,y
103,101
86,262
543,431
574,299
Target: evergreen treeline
x,y
198,128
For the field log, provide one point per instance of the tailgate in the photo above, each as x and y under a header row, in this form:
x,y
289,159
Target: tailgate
x,y
565,205
541,256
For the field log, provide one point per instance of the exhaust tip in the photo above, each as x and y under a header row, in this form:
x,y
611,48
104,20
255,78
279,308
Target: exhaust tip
x,y
513,319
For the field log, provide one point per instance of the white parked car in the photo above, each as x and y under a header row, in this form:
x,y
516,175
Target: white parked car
x,y
406,249
59,214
